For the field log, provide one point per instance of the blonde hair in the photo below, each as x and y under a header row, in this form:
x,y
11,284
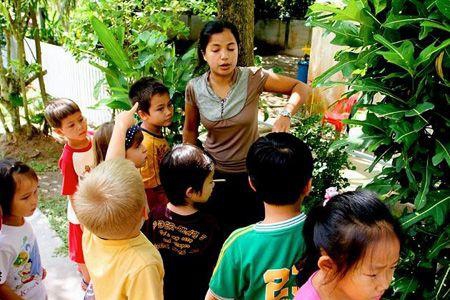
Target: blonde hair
x,y
110,199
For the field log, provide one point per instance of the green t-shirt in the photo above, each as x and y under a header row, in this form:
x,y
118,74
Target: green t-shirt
x,y
257,262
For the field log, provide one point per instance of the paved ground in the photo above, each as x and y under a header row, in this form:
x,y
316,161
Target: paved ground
x,y
63,281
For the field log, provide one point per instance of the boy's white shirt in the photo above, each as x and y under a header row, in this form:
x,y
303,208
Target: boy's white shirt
x,y
83,162
20,262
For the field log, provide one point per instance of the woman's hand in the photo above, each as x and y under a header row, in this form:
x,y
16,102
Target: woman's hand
x,y
282,124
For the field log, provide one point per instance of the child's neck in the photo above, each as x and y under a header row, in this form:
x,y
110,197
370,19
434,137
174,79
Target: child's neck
x,y
184,210
152,128
326,289
13,220
78,144
279,213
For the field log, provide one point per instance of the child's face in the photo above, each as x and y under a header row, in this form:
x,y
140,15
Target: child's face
x,y
26,196
73,127
372,277
160,112
207,188
137,154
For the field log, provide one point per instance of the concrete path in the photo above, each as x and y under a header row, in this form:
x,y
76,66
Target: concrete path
x,y
62,281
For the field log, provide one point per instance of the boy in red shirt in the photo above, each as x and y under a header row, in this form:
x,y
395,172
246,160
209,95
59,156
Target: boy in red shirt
x,y
76,160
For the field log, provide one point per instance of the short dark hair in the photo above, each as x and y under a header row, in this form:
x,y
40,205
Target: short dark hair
x,y
183,167
143,90
8,185
210,28
279,166
344,227
59,109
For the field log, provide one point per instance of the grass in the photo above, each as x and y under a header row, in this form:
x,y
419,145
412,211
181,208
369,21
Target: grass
x,y
55,208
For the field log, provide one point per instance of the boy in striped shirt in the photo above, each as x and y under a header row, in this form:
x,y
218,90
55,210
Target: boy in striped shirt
x,y
257,261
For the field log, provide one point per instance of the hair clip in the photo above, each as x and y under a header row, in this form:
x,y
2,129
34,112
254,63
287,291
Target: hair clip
x,y
330,193
130,134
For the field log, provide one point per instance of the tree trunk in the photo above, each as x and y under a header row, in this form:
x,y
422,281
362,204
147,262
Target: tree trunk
x,y
23,88
241,14
37,43
3,122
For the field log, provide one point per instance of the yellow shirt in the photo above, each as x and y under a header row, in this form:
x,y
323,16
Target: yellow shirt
x,y
123,269
157,147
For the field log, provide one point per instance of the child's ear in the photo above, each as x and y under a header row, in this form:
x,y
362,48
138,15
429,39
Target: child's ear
x,y
307,188
145,211
190,192
326,264
58,131
142,114
250,183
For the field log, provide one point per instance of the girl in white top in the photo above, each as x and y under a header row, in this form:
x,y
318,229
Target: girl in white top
x,y
21,273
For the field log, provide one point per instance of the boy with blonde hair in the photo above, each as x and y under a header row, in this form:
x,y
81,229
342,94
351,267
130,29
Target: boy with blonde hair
x,y
122,262
76,160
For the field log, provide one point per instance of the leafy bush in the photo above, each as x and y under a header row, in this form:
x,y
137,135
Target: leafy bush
x,y
400,50
329,160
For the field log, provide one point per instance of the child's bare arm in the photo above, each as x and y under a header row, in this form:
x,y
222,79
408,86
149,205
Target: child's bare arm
x,y
7,293
124,120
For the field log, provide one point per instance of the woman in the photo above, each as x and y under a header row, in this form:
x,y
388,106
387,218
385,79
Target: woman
x,y
225,101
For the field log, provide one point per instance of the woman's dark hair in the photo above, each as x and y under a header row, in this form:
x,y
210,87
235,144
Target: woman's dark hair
x,y
8,185
183,167
210,28
280,166
345,227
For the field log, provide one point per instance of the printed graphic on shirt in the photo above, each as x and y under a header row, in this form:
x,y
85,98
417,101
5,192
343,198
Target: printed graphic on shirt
x,y
177,238
27,263
277,283
83,162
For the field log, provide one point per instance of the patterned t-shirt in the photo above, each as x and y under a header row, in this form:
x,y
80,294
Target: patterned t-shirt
x,y
20,262
189,246
258,262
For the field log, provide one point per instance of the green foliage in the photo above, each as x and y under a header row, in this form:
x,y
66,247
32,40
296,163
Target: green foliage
x,y
281,9
329,157
400,50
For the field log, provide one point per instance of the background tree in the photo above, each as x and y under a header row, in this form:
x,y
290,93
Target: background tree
x,y
241,14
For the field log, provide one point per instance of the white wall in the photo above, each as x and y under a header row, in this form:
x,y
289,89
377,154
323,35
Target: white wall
x,y
70,79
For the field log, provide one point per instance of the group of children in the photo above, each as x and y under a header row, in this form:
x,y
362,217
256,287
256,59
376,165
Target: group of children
x,y
137,229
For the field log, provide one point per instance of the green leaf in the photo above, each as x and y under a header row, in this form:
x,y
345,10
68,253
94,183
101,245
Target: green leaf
x,y
112,47
441,152
405,285
387,111
444,7
434,24
379,5
395,21
441,202
420,109
352,12
426,55
442,243
16,99
405,134
421,197
346,33
370,85
402,56
331,71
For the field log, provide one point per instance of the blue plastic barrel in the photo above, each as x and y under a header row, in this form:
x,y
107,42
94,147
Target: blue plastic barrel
x,y
302,73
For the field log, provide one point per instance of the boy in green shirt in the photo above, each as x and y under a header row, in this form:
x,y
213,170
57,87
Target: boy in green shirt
x,y
257,261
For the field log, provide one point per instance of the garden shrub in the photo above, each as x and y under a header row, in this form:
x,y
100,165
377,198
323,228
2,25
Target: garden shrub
x,y
399,49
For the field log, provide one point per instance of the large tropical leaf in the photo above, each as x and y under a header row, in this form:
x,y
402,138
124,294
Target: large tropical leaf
x,y
111,45
402,56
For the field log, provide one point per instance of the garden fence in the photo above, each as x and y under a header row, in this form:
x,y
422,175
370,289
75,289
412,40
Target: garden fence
x,y
70,79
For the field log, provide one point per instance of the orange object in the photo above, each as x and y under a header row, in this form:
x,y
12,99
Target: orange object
x,y
340,111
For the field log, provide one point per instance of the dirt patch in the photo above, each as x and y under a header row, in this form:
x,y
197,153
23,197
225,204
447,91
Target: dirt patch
x,y
42,154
